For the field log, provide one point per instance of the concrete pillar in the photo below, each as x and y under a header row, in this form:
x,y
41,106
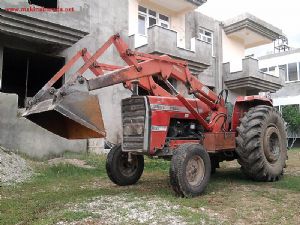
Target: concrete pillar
x,y
96,145
219,57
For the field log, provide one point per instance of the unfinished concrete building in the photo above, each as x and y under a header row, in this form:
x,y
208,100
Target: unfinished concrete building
x,y
34,45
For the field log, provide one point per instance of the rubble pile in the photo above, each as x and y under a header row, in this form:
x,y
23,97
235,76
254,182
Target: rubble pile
x,y
13,168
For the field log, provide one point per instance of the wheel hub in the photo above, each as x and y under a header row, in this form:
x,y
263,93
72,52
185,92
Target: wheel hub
x,y
272,144
195,171
128,168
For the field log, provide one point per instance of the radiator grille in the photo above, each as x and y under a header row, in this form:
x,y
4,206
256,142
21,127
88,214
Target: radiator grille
x,y
134,113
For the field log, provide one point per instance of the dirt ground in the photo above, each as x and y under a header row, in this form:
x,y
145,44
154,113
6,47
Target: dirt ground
x,y
75,190
237,202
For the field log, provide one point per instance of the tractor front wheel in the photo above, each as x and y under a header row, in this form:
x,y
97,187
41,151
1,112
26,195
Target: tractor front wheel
x,y
123,169
190,170
262,144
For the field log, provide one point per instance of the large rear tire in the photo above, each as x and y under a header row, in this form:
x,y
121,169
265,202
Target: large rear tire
x,y
262,144
190,170
122,171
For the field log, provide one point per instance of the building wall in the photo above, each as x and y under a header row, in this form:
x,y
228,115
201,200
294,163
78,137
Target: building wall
x,y
233,52
279,60
177,19
20,134
178,24
133,17
78,19
105,19
233,94
290,93
286,100
212,76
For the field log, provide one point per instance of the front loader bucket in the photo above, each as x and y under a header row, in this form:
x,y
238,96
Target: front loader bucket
x,y
74,116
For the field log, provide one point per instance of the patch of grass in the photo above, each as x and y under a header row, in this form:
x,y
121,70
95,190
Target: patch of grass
x,y
192,217
289,183
296,149
90,159
66,216
49,191
67,171
156,165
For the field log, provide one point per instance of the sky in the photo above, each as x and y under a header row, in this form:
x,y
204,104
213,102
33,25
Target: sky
x,y
282,14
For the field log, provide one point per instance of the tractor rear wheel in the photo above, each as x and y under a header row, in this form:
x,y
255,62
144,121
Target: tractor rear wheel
x,y
120,169
262,144
190,170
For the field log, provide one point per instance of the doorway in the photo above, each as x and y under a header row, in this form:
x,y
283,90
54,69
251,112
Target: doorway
x,y
25,73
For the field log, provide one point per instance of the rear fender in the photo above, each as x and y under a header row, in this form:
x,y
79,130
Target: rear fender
x,y
243,104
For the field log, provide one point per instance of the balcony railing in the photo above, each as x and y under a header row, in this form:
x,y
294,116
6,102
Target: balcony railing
x,y
250,77
164,41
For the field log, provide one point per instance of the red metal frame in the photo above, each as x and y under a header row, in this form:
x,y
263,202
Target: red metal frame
x,y
243,104
140,69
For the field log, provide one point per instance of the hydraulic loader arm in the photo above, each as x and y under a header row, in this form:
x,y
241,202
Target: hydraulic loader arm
x,y
141,66
140,70
165,70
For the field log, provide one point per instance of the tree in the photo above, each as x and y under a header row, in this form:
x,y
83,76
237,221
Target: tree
x,y
291,115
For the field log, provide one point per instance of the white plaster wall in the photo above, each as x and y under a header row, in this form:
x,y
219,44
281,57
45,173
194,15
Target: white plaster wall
x,y
233,94
279,60
178,24
275,61
177,21
132,17
290,100
233,52
106,18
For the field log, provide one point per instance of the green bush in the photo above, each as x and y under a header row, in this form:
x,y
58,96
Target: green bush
x,y
291,115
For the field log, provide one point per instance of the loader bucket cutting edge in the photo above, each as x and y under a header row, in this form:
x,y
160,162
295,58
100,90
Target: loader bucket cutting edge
x,y
75,116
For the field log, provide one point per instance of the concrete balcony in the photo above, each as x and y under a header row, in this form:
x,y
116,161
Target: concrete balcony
x,y
197,2
58,30
178,6
164,41
251,78
251,30
38,30
79,18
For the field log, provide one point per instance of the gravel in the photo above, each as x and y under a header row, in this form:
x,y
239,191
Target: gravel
x,y
13,168
75,162
126,209
123,209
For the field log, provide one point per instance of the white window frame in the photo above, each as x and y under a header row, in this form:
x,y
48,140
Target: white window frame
x,y
268,71
145,16
287,78
159,21
287,73
204,37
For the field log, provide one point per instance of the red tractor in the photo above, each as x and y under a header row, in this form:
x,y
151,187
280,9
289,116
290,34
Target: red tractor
x,y
195,132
